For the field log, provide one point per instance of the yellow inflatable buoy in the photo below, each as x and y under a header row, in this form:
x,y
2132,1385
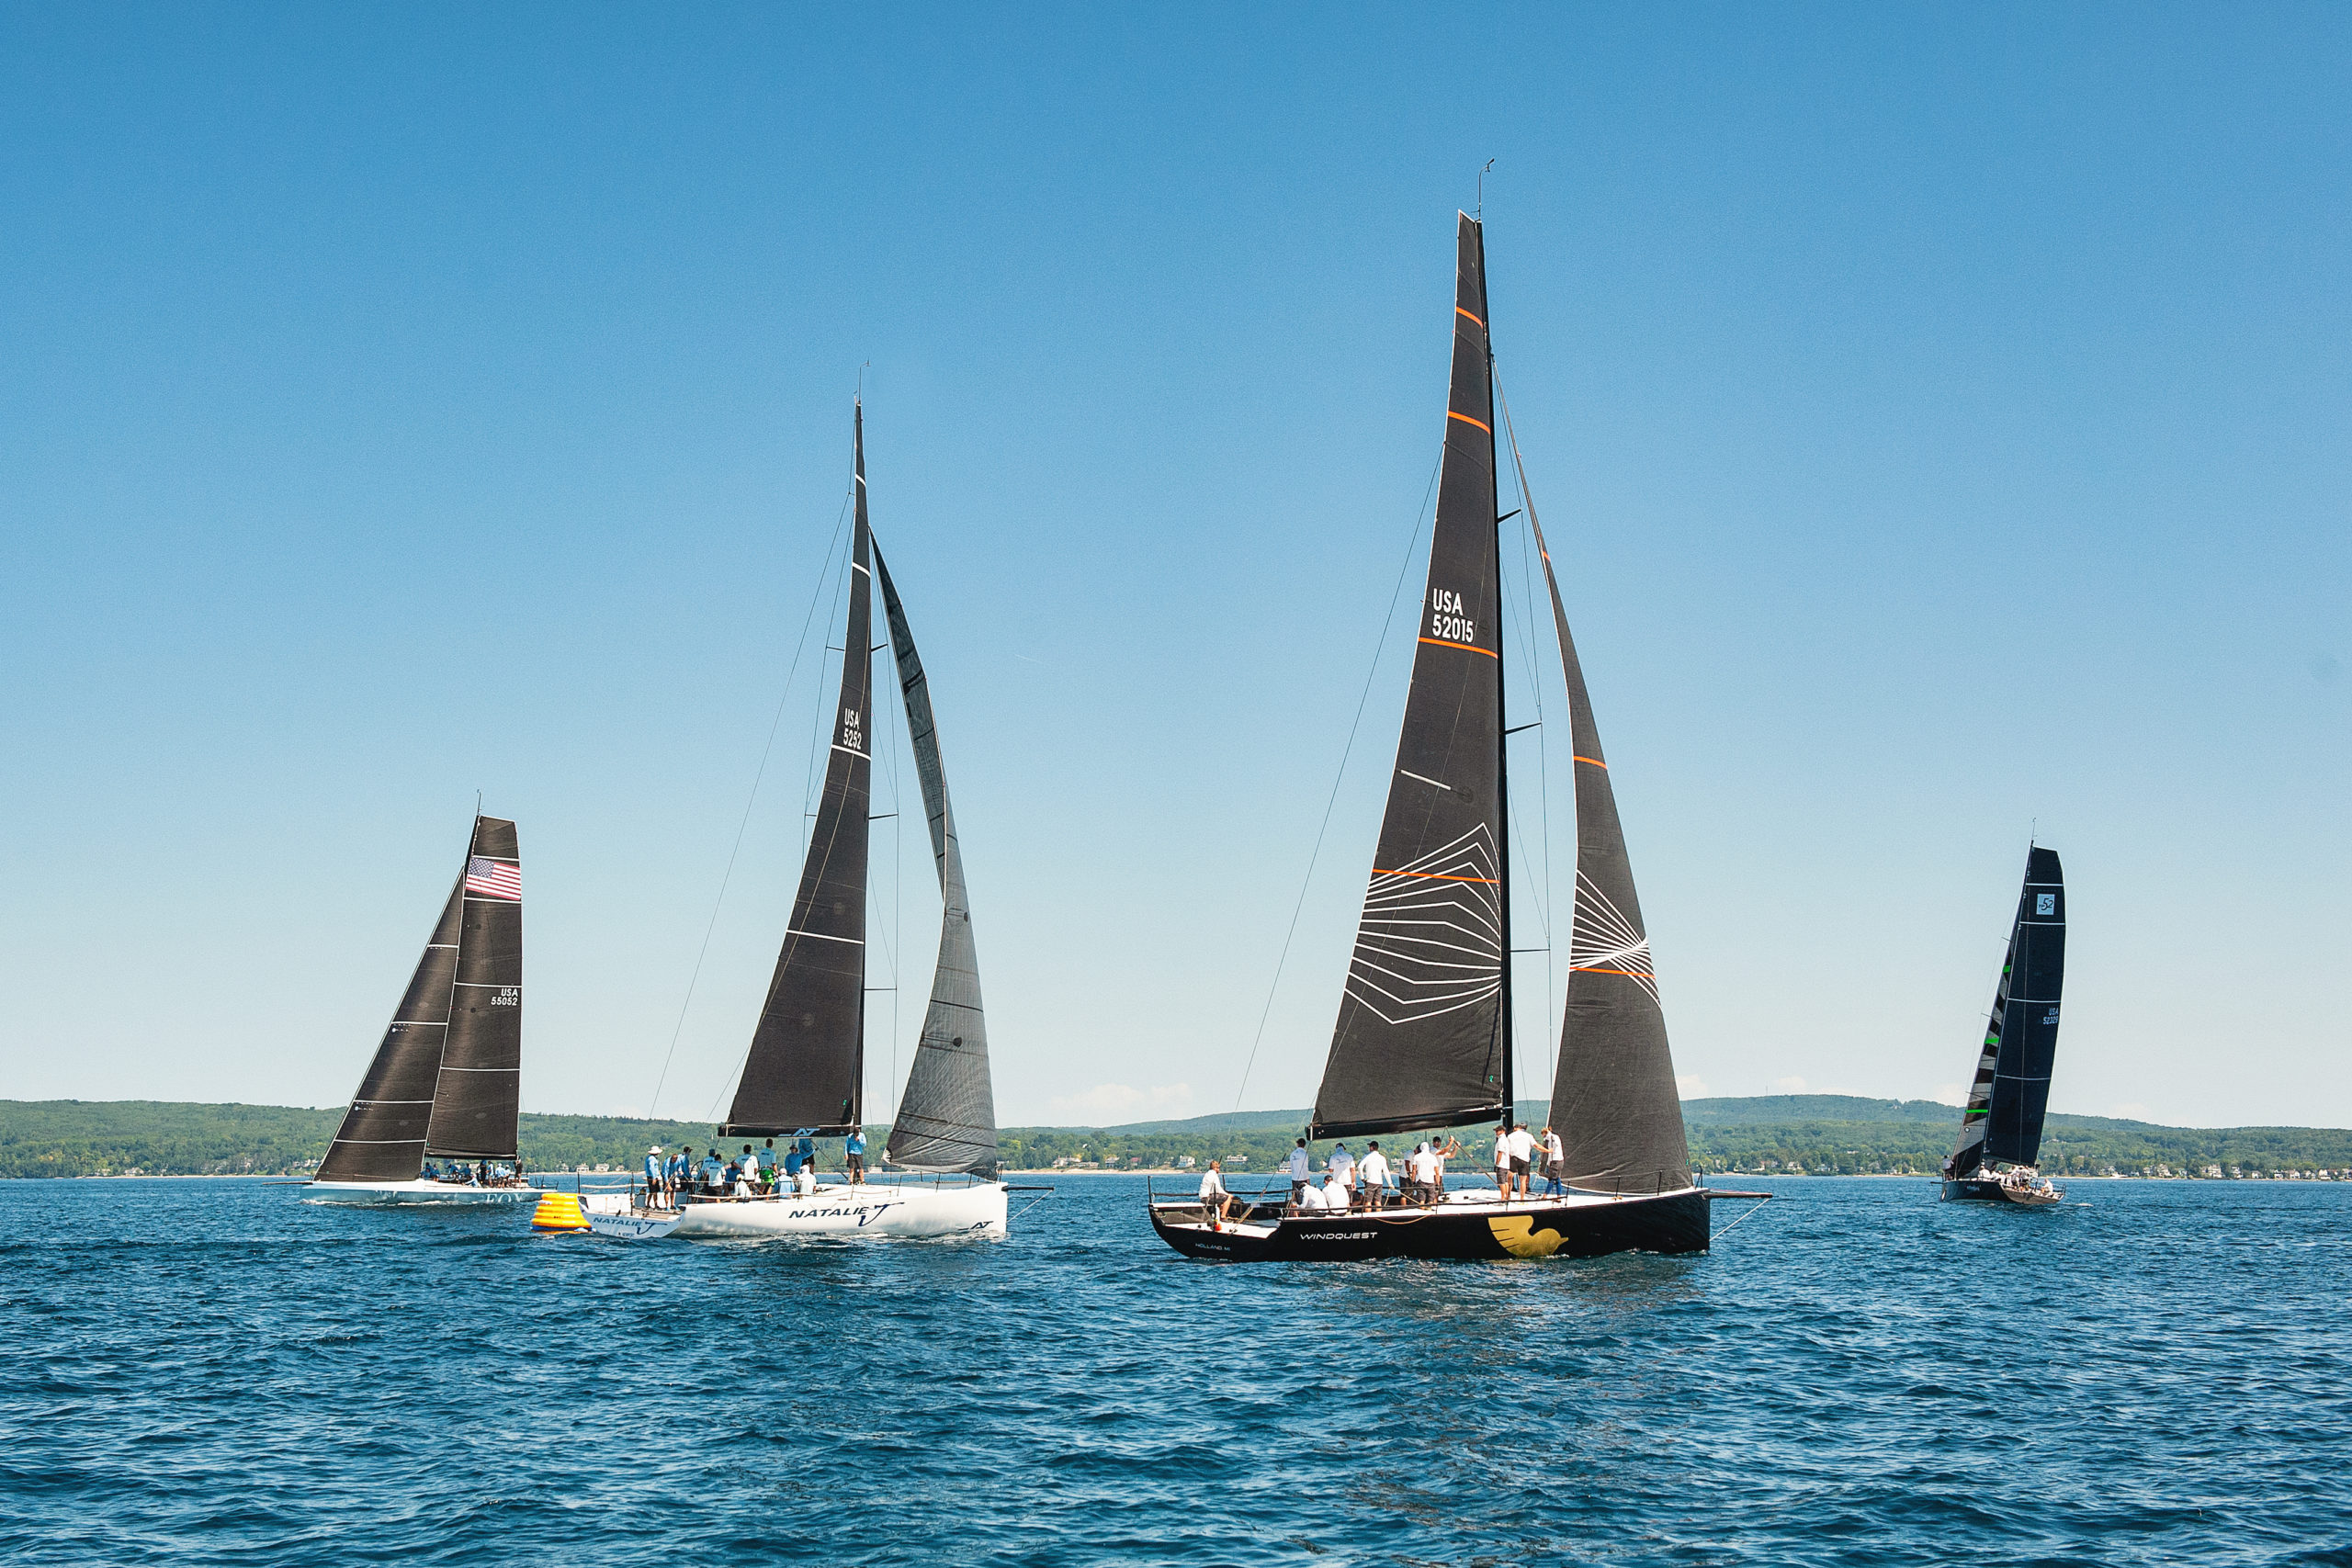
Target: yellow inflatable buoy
x,y
560,1212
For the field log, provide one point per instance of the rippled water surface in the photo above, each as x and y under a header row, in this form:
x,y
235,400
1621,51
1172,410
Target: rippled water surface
x,y
212,1372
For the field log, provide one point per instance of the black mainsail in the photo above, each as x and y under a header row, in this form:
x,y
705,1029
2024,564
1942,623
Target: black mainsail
x,y
1614,1102
477,1099
947,1116
1422,1037
447,1078
2011,1092
806,1063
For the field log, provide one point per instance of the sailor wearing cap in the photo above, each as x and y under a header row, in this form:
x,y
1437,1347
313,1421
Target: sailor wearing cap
x,y
653,1177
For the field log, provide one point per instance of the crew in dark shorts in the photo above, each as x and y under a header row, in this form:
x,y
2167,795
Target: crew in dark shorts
x,y
854,1156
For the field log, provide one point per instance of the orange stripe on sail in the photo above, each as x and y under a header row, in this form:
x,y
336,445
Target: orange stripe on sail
x,y
1470,646
1460,311
1436,877
1594,760
1629,974
1468,420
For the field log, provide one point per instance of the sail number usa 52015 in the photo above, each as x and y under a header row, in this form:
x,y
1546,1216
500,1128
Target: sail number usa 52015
x,y
1447,622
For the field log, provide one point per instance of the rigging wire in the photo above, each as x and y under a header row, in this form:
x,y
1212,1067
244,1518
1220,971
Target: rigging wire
x,y
798,647
1308,880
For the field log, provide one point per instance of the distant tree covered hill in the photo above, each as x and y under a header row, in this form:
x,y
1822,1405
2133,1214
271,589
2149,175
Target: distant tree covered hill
x,y
1822,1134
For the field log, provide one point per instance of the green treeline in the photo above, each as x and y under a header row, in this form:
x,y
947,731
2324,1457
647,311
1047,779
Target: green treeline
x,y
1822,1134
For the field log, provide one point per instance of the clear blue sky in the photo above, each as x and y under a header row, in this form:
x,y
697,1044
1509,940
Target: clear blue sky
x,y
1940,414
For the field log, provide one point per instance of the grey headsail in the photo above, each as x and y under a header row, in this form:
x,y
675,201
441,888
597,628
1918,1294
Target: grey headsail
x,y
807,1058
477,1101
1614,1102
1421,1038
382,1136
2012,1093
947,1116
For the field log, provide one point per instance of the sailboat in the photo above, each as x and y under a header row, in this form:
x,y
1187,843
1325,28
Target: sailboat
x,y
447,1081
805,1072
1424,1033
2000,1132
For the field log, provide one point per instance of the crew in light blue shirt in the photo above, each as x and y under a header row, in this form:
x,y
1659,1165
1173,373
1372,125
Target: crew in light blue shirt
x,y
854,1155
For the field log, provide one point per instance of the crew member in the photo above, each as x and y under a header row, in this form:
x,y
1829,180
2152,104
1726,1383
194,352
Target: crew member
x,y
1555,1161
854,1156
1372,1176
1299,1167
1214,1199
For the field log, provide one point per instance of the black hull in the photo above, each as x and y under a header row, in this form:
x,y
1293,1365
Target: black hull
x,y
1671,1223
1971,1188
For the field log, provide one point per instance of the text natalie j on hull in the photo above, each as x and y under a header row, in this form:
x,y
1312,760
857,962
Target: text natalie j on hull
x,y
2000,1132
1423,1039
447,1082
804,1075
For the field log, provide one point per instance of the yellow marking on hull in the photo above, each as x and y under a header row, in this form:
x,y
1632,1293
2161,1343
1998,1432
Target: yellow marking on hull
x,y
1516,1234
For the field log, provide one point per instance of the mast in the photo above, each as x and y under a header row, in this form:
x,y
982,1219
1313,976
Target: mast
x,y
477,1097
804,1070
1419,1041
947,1118
382,1135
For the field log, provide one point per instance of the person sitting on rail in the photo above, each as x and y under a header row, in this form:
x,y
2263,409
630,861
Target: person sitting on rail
x,y
1310,1199
806,1183
1216,1201
1336,1195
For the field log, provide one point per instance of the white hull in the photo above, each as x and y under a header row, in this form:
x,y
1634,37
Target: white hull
x,y
880,1208
414,1192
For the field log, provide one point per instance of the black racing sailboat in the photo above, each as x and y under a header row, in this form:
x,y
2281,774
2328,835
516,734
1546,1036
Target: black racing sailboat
x,y
804,1074
2000,1132
447,1081
1423,1038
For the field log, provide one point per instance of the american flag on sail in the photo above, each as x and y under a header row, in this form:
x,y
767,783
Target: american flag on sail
x,y
495,878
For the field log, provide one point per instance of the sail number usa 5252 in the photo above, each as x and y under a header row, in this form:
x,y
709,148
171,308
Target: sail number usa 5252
x,y
1447,622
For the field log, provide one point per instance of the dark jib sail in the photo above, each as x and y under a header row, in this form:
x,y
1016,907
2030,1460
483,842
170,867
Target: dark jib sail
x,y
947,1116
1614,1102
382,1136
478,1099
808,1055
1421,1039
2012,1093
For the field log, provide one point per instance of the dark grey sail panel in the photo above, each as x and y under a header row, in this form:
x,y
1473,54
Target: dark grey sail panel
x,y
807,1063
382,1135
1614,1102
947,1118
2030,1014
1420,1036
477,1102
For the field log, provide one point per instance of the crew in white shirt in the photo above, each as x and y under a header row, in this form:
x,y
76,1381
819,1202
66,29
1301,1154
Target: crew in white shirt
x,y
1310,1199
1523,1153
1300,1166
1342,1167
1423,1165
1555,1160
1214,1199
1336,1194
1372,1175
1502,1160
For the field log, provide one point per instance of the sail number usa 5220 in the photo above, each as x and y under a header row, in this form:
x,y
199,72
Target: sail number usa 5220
x,y
1447,622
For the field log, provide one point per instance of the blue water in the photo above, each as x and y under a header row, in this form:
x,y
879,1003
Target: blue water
x,y
212,1372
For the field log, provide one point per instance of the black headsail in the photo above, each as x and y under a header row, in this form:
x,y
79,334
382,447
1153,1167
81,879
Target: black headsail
x,y
1422,1038
1614,1102
382,1136
947,1116
807,1058
2011,1094
477,1104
